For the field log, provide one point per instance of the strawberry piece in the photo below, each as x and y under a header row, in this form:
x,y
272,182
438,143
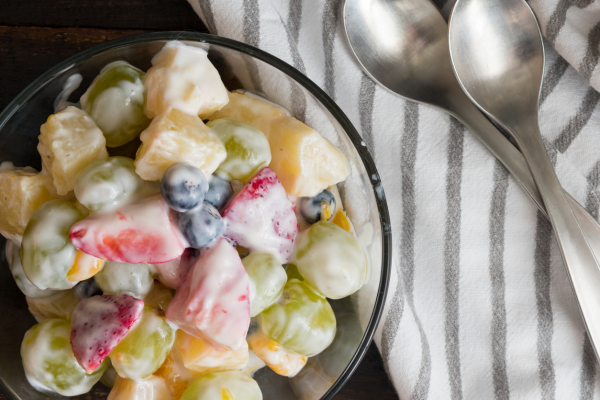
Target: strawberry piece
x,y
171,273
99,323
213,301
136,233
261,217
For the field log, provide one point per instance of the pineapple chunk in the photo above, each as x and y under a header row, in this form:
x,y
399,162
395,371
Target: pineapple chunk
x,y
150,388
182,77
70,140
200,357
22,191
250,109
176,137
304,161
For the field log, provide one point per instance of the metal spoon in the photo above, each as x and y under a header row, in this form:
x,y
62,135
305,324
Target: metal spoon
x,y
498,57
403,45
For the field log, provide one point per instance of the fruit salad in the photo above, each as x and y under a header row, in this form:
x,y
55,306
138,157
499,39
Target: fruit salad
x,y
147,273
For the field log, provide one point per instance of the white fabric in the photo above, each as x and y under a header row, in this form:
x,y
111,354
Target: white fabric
x,y
479,305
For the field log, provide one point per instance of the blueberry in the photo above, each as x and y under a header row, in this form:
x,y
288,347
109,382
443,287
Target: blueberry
x,y
219,191
320,207
87,288
183,187
201,226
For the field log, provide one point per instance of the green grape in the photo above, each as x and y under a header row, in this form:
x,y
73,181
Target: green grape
x,y
115,100
50,363
226,385
105,184
330,259
47,254
133,279
145,347
302,320
267,279
247,148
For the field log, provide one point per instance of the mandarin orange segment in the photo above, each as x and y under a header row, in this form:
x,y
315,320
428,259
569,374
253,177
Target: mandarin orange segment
x,y
84,267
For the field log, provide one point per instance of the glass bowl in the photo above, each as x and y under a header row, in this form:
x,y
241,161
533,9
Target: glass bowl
x,y
241,67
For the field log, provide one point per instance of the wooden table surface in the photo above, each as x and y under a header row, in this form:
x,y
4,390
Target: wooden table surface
x,y
37,34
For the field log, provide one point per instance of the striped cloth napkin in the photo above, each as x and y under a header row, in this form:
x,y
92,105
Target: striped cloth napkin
x,y
479,304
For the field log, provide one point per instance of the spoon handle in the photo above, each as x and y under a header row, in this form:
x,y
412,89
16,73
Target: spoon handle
x,y
582,266
467,113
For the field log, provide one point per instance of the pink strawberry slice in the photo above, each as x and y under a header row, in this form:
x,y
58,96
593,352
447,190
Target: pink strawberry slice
x,y
171,273
99,323
213,301
261,217
137,233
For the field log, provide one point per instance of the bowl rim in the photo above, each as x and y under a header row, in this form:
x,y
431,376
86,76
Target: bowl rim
x,y
316,91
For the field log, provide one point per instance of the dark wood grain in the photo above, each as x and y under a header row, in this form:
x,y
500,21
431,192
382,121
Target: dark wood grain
x,y
37,34
26,52
155,15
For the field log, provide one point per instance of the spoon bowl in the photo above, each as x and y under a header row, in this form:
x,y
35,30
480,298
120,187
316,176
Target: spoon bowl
x,y
498,56
403,45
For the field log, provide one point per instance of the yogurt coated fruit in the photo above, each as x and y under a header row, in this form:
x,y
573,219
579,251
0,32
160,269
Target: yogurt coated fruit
x,y
261,217
264,252
13,257
115,101
136,233
182,77
47,254
331,259
134,279
49,361
224,385
213,303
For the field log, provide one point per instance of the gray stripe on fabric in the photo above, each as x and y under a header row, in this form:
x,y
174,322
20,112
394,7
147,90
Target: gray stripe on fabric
x,y
330,19
292,29
251,22
559,17
252,37
452,256
206,7
295,19
421,391
298,101
592,202
576,123
557,20
587,373
590,60
408,155
594,175
499,324
588,370
555,73
366,98
407,264
545,323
